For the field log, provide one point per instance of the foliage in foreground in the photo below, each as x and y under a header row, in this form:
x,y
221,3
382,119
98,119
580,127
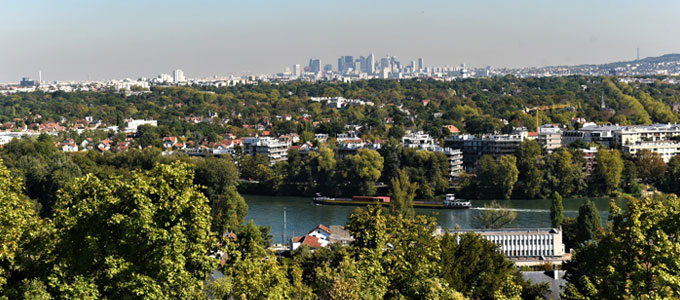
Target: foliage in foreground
x,y
636,259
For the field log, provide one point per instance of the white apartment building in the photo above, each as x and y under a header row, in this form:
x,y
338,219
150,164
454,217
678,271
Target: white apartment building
x,y
550,137
525,243
274,149
665,149
656,132
415,139
131,125
610,135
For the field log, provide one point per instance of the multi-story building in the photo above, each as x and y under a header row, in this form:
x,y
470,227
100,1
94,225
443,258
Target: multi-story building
x,y
610,135
131,125
314,65
416,139
297,70
665,149
550,137
525,243
656,132
603,134
590,157
274,149
178,76
474,147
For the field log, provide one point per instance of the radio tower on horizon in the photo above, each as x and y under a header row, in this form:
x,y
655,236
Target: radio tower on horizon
x,y
638,53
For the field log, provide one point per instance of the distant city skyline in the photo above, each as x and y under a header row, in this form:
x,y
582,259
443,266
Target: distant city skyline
x,y
77,40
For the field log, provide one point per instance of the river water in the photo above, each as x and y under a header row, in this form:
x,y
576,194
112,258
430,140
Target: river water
x,y
302,215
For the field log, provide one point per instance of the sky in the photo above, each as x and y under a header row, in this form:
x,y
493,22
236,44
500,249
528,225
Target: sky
x,y
102,39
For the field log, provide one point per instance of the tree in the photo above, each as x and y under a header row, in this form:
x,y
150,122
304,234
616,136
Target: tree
x,y
563,174
608,170
396,132
496,179
391,152
531,176
26,241
671,179
650,166
487,172
320,168
402,193
507,167
147,235
556,209
589,221
629,178
641,253
473,266
495,216
362,170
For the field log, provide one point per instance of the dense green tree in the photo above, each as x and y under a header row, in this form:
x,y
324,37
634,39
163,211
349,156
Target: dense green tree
x,y
320,168
529,164
563,174
671,179
145,236
608,170
629,178
640,251
589,221
496,180
402,192
556,210
391,153
650,165
507,177
396,132
361,171
26,241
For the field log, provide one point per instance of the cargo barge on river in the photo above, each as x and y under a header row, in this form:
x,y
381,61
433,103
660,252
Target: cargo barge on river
x,y
450,202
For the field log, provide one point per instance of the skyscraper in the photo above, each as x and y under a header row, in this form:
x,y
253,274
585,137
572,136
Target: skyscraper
x,y
178,76
314,65
370,64
297,70
420,64
344,63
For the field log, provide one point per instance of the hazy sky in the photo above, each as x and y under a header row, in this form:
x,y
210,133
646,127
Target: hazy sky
x,y
100,39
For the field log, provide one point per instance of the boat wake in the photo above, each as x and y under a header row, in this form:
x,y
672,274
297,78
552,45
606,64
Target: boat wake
x,y
518,209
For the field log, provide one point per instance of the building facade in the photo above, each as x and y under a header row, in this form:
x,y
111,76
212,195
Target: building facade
x,y
525,243
274,149
474,147
665,149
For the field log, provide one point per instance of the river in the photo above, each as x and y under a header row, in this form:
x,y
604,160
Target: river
x,y
302,215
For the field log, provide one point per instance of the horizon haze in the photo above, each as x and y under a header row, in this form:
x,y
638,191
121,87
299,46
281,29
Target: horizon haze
x,y
78,40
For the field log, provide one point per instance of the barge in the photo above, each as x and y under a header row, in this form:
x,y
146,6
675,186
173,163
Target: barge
x,y
450,202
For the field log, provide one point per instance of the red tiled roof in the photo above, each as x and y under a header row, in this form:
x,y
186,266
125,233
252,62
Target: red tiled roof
x,y
323,228
312,242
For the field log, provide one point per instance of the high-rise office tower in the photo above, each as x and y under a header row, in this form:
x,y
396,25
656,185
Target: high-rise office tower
x,y
385,63
370,64
413,66
178,76
345,63
420,64
297,70
314,65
